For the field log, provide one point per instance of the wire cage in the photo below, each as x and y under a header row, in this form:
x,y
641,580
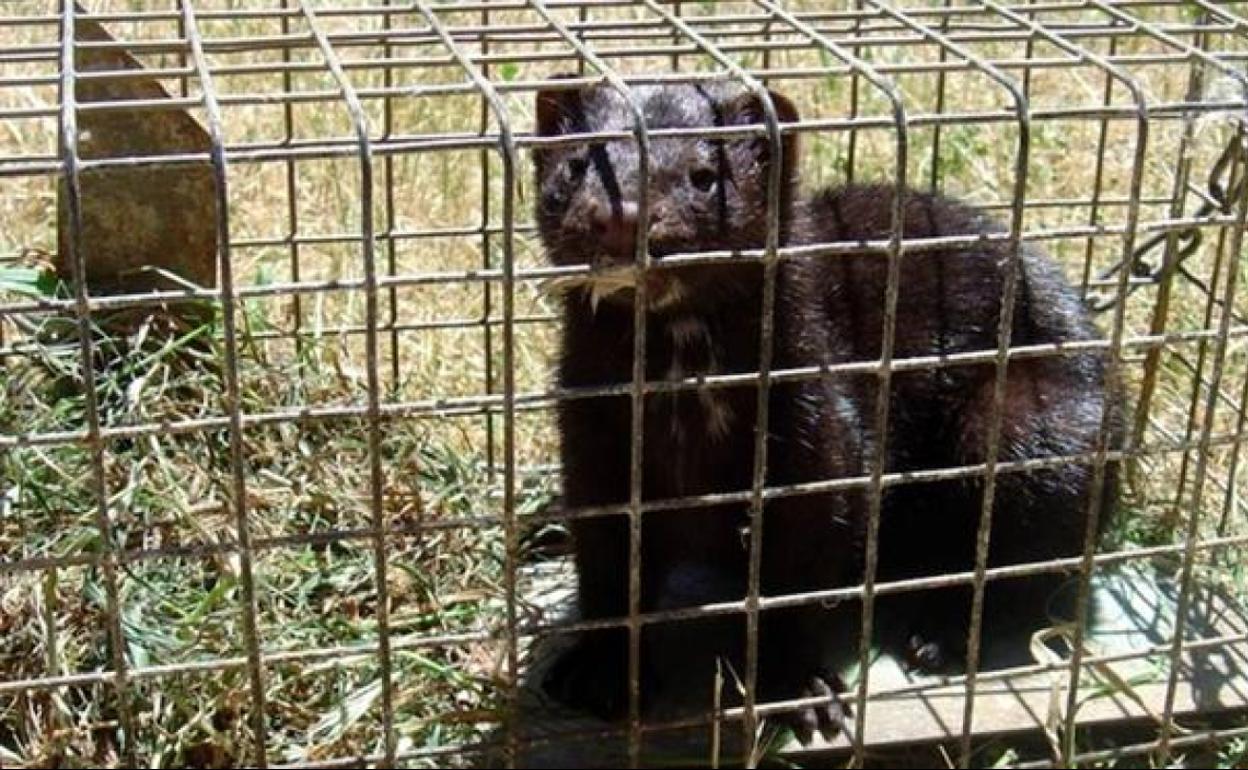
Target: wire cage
x,y
277,427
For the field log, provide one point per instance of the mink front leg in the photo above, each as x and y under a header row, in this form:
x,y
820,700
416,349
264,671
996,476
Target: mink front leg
x,y
593,674
810,543
800,647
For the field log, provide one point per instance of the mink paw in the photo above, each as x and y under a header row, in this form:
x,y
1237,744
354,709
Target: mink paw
x,y
592,676
828,719
924,656
933,653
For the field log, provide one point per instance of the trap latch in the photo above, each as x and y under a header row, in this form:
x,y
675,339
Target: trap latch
x,y
1153,260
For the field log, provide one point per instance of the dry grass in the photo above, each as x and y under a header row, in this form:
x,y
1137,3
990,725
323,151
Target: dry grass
x,y
180,586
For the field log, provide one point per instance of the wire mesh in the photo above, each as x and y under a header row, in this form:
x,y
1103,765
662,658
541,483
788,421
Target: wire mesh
x,y
308,526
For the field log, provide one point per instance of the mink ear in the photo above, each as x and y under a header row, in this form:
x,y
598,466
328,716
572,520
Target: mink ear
x,y
553,109
556,104
747,108
552,106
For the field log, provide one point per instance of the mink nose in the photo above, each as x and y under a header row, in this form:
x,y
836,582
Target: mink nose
x,y
616,229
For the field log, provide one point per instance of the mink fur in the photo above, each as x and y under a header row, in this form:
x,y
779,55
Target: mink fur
x,y
709,195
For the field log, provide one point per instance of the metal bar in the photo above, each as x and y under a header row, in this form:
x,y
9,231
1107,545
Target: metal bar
x,y
1026,63
1231,495
373,409
618,31
233,401
1005,328
200,550
507,153
1161,307
243,97
1219,361
884,375
68,148
542,399
1098,181
1200,738
392,267
363,652
642,135
855,84
934,178
345,330
1113,360
1202,463
367,9
1197,369
487,337
453,232
331,148
771,260
293,240
915,246
540,629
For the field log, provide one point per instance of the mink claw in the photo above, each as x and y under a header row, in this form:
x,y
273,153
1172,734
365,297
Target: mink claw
x,y
833,716
828,718
924,656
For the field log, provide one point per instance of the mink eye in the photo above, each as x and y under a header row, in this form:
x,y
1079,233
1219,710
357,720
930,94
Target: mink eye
x,y
576,167
703,179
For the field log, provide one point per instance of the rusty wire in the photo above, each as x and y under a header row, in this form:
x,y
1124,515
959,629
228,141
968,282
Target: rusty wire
x,y
1154,228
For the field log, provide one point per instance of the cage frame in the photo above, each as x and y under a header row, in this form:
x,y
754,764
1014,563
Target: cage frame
x,y
506,143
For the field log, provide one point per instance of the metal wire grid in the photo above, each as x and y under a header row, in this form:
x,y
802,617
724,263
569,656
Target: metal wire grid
x,y
1121,40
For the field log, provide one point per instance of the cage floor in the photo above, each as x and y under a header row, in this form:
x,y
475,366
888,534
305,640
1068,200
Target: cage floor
x,y
1134,611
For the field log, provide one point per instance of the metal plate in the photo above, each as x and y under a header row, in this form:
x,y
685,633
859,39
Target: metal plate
x,y
1134,610
138,220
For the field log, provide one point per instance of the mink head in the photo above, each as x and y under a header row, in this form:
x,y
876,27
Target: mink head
x,y
706,193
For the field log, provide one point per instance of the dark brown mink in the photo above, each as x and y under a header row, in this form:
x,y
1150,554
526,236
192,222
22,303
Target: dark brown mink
x,y
709,195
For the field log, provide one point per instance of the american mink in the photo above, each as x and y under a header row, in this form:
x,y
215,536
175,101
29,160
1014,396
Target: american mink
x,y
708,194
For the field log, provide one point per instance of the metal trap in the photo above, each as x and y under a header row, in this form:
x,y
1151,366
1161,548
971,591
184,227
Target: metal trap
x,y
277,430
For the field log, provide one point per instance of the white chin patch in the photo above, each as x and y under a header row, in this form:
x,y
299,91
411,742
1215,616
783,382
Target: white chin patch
x,y
670,293
602,284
